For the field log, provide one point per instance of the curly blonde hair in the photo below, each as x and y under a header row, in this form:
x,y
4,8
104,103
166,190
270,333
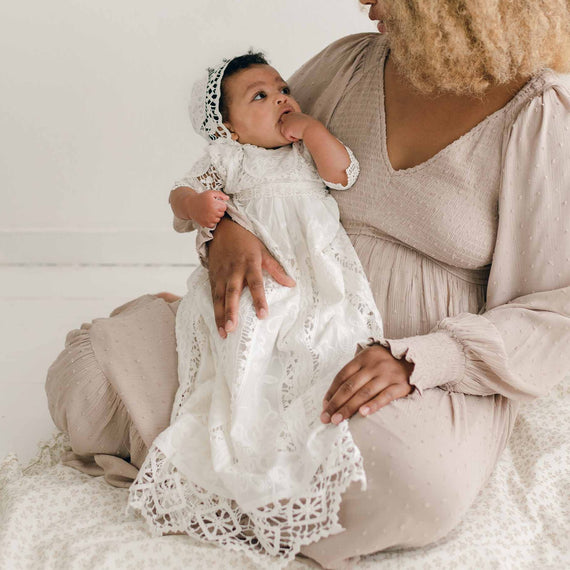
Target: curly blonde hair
x,y
464,46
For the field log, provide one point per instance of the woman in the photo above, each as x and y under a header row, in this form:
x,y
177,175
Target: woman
x,y
459,218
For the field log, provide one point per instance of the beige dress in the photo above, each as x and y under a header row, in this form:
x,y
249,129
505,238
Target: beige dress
x,y
468,255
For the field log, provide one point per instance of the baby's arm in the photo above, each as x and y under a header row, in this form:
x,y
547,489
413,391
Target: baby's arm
x,y
204,208
330,155
203,179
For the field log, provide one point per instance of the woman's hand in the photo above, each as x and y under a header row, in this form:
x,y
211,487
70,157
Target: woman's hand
x,y
236,259
371,380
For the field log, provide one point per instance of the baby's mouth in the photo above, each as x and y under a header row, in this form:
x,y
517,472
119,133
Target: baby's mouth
x,y
283,113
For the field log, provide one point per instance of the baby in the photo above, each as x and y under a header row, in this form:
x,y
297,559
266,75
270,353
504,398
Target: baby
x,y
257,108
246,461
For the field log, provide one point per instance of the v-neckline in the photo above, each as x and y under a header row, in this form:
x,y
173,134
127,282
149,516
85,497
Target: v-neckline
x,y
445,150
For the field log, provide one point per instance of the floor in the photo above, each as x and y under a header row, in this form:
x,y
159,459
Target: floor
x,y
39,305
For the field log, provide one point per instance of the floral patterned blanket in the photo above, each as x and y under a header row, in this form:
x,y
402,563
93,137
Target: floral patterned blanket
x,y
55,518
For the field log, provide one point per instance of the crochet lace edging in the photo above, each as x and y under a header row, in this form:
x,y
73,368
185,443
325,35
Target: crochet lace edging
x,y
270,536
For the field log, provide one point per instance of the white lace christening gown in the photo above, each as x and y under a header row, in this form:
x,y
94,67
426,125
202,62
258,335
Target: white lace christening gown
x,y
246,461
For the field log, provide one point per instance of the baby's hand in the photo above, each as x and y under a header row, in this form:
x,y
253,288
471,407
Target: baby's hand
x,y
294,125
207,208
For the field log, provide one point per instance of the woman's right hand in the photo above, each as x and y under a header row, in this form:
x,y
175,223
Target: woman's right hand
x,y
236,258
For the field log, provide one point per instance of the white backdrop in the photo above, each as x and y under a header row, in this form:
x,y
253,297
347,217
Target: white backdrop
x,y
93,115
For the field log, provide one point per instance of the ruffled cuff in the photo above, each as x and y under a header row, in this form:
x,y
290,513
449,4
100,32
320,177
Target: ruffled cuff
x,y
466,353
437,357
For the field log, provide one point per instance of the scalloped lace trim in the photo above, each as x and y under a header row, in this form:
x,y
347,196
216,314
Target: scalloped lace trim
x,y
271,535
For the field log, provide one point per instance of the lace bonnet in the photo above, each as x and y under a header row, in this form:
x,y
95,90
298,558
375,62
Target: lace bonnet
x,y
205,104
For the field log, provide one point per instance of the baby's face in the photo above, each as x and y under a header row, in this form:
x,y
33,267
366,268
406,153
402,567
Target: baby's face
x,y
257,99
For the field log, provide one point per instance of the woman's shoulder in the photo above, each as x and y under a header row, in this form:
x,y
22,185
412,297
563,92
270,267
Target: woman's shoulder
x,y
349,46
537,139
336,58
325,76
555,88
548,91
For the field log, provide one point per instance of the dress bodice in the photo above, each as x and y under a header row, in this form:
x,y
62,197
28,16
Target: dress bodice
x,y
425,234
251,172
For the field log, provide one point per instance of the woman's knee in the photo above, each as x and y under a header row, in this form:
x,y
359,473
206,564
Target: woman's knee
x,y
431,500
82,402
63,375
421,481
417,504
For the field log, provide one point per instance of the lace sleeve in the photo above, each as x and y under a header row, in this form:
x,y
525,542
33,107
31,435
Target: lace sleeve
x,y
352,173
202,177
208,180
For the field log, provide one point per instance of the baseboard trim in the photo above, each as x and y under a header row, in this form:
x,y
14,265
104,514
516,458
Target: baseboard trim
x,y
104,247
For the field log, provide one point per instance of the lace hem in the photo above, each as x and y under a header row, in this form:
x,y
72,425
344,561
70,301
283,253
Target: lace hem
x,y
271,535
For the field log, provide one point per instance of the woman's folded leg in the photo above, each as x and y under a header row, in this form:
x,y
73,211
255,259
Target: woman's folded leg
x,y
426,459
112,387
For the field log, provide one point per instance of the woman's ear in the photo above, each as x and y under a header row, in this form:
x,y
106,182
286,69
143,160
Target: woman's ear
x,y
235,136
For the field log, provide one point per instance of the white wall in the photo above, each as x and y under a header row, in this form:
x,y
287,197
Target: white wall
x,y
93,119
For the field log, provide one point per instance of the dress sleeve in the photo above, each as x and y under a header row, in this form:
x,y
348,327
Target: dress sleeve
x,y
201,177
208,173
518,347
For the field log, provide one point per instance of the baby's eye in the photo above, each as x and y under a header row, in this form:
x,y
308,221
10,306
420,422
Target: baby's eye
x,y
259,96
286,91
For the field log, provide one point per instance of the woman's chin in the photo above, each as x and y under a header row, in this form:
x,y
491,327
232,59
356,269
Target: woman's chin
x,y
381,26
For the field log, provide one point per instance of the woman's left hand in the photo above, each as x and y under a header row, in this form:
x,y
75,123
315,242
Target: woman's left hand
x,y
371,380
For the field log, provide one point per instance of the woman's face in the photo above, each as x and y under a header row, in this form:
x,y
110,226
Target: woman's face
x,y
377,13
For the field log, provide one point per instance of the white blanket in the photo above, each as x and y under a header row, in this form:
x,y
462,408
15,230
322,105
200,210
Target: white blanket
x,y
55,518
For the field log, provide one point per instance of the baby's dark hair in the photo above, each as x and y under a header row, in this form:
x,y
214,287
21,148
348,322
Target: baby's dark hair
x,y
238,64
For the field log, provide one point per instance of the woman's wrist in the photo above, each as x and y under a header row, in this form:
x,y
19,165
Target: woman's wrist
x,y
438,358
223,222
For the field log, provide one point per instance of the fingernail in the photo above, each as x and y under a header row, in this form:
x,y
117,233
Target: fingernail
x,y
336,419
222,332
364,410
325,417
229,325
262,313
